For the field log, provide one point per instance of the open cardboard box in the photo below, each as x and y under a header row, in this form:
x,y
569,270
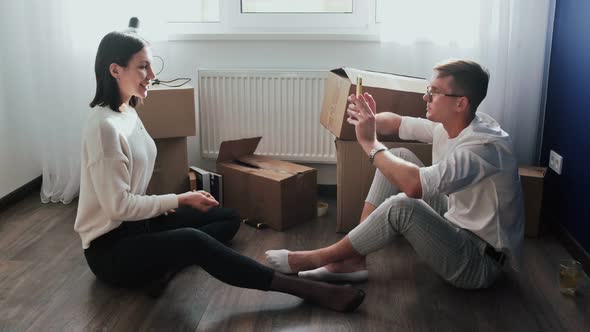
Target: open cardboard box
x,y
392,93
277,193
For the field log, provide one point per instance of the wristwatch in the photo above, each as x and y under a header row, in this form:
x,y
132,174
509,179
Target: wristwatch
x,y
374,151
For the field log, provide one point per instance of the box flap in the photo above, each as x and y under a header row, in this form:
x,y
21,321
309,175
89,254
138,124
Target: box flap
x,y
232,150
253,170
266,167
273,165
384,80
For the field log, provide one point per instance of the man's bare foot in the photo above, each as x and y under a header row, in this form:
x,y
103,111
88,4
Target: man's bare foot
x,y
304,260
348,270
348,265
288,262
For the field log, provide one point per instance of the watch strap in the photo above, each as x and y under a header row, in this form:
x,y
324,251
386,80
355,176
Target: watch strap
x,y
374,152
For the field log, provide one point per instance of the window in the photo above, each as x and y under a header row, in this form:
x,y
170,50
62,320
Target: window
x,y
294,7
379,5
437,24
274,18
193,11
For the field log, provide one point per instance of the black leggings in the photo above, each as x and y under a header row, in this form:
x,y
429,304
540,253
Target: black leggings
x,y
139,252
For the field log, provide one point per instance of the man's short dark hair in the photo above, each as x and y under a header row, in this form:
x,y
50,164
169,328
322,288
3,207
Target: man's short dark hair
x,y
115,47
469,79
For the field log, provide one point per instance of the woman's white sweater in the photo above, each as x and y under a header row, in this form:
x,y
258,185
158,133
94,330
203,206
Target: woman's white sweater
x,y
117,163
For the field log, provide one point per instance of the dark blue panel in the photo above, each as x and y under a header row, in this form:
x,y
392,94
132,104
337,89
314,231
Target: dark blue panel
x,y
567,120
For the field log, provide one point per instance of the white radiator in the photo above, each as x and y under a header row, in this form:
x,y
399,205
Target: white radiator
x,y
281,106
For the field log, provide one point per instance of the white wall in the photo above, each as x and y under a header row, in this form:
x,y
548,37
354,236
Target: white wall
x,y
182,58
19,157
19,161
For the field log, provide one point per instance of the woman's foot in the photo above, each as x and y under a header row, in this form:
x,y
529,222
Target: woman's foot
x,y
342,298
338,298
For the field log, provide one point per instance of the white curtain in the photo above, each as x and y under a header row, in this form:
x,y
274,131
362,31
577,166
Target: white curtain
x,y
48,50
509,37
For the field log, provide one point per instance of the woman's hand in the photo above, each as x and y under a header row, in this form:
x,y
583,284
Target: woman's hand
x,y
200,200
169,212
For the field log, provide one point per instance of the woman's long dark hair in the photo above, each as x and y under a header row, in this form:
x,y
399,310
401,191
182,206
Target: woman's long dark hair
x,y
115,47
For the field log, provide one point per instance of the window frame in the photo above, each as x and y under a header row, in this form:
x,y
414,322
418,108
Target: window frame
x,y
351,2
233,24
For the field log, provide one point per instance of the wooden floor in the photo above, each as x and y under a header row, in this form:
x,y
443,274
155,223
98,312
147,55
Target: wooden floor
x,y
45,285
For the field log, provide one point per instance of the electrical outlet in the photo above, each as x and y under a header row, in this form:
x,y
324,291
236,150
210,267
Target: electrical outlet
x,y
555,162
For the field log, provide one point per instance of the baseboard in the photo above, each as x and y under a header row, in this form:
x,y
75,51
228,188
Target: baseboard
x,y
20,193
573,247
327,190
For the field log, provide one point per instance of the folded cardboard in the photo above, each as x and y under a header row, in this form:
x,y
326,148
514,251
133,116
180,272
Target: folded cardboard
x,y
277,193
169,112
532,179
170,167
354,175
208,181
392,93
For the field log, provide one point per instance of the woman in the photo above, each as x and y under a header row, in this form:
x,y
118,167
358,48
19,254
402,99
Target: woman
x,y
131,239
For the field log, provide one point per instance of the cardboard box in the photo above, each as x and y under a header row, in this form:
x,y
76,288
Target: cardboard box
x,y
169,112
392,93
532,179
354,175
169,174
277,193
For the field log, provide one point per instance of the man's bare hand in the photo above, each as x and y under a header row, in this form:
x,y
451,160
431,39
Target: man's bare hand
x,y
361,114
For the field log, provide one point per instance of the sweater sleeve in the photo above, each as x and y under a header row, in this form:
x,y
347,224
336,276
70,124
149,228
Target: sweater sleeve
x,y
110,178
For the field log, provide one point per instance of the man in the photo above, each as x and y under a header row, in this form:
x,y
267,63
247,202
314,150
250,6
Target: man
x,y
463,215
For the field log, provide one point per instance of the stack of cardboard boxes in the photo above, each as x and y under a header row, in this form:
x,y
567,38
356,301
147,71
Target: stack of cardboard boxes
x,y
400,94
276,193
168,115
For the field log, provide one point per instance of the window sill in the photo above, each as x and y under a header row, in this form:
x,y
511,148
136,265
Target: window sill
x,y
280,36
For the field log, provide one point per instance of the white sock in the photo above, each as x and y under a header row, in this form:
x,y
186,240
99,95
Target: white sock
x,y
322,274
279,260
